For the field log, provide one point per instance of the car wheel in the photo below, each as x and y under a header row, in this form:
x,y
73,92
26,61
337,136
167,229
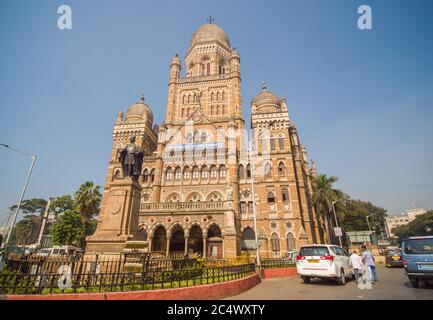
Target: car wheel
x,y
306,279
414,283
342,279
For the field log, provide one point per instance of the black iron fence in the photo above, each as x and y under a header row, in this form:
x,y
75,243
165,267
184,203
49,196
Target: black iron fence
x,y
269,263
44,275
66,281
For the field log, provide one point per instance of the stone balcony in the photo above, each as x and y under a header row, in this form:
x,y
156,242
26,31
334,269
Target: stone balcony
x,y
182,207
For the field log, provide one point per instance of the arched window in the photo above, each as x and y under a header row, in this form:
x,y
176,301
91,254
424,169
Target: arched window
x,y
186,173
275,242
204,172
248,239
183,99
218,96
208,69
285,195
223,171
271,197
211,110
214,172
196,136
195,173
248,171
183,111
189,99
187,112
203,137
241,172
203,69
169,174
223,96
272,141
152,175
177,174
281,143
290,242
218,110
268,170
189,138
211,97
146,175
195,98
281,169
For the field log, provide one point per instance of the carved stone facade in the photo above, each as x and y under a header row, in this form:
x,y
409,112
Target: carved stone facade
x,y
198,173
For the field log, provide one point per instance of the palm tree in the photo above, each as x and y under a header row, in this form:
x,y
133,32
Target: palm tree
x,y
323,196
87,200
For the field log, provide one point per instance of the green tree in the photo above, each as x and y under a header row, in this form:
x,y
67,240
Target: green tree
x,y
356,212
62,204
324,194
31,206
68,229
25,231
87,200
422,225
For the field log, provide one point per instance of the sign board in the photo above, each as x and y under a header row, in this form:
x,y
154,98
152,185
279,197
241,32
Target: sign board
x,y
383,243
338,232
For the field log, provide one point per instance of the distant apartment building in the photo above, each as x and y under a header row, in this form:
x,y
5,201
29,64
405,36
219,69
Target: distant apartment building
x,y
403,219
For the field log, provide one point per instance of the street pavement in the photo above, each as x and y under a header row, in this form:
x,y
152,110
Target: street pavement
x,y
393,284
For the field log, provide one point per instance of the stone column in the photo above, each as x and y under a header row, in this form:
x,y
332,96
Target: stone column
x,y
204,246
150,240
167,250
186,243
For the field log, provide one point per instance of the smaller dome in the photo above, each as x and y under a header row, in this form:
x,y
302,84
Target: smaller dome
x,y
139,111
266,97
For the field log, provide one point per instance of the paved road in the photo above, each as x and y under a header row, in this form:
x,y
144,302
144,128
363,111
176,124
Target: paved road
x,y
393,284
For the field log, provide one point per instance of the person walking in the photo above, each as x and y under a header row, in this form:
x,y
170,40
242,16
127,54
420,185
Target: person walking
x,y
368,260
356,263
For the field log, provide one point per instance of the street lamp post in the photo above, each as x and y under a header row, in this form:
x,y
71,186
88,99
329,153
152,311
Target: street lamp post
x,y
22,193
336,221
368,223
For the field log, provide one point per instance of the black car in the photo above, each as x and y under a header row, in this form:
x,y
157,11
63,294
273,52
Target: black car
x,y
393,258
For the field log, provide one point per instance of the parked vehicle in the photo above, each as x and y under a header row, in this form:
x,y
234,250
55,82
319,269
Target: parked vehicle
x,y
418,259
291,256
393,258
57,251
323,262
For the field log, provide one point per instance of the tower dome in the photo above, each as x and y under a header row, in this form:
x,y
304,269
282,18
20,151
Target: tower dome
x,y
266,98
209,32
139,111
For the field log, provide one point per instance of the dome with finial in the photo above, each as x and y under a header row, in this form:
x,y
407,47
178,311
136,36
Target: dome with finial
x,y
209,32
266,97
139,111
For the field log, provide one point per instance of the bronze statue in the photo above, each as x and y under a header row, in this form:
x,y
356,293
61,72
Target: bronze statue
x,y
131,158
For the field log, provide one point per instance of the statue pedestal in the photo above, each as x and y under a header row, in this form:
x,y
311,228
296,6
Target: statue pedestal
x,y
118,221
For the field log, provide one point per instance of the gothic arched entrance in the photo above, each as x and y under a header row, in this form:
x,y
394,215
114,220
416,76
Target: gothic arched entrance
x,y
177,240
214,243
159,240
195,240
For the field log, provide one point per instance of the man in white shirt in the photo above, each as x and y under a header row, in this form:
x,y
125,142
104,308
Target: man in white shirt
x,y
356,263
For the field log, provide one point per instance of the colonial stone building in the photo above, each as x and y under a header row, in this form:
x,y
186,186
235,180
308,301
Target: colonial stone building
x,y
203,174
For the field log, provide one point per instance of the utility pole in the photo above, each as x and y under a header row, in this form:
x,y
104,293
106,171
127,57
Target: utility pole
x,y
23,192
44,221
336,221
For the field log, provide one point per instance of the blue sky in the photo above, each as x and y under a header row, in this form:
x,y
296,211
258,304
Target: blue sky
x,y
362,100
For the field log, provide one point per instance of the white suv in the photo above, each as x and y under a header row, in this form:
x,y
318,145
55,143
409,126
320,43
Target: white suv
x,y
323,261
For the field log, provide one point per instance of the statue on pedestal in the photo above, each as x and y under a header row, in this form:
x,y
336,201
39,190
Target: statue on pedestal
x,y
131,158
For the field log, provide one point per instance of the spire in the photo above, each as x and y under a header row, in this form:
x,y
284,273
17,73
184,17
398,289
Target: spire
x,y
264,88
210,19
142,99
